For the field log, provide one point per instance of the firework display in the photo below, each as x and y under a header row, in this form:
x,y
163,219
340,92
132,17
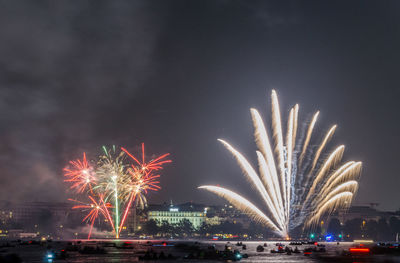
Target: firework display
x,y
296,182
111,185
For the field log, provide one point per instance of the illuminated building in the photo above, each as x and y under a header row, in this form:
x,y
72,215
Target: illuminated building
x,y
176,214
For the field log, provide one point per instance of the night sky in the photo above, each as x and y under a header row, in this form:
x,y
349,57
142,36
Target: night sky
x,y
177,75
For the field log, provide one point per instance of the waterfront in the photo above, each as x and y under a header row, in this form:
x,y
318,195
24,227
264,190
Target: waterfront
x,y
178,131
131,250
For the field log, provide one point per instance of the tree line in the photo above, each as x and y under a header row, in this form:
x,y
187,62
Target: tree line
x,y
185,229
358,228
378,230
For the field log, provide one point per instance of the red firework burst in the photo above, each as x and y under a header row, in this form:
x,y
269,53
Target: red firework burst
x,y
95,208
80,174
122,184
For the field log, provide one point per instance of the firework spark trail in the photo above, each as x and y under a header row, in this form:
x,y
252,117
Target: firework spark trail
x,y
113,180
155,164
350,186
277,134
264,145
243,204
333,158
328,136
107,212
295,118
116,205
80,175
337,173
336,201
351,172
308,137
252,175
282,169
126,211
294,171
94,207
266,178
289,152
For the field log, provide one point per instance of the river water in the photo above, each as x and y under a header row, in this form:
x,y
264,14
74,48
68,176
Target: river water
x,y
37,253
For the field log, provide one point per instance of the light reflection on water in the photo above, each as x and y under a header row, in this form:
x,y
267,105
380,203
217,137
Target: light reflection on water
x,y
36,253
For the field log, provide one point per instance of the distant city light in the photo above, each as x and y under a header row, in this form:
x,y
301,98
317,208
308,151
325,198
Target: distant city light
x,y
363,241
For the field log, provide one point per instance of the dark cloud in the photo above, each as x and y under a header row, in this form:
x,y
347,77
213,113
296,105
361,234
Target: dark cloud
x,y
65,70
180,74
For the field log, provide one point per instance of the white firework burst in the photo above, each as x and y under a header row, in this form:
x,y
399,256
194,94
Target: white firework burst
x,y
296,183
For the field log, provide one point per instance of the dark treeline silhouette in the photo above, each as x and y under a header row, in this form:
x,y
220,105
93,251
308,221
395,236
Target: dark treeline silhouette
x,y
358,228
378,230
186,229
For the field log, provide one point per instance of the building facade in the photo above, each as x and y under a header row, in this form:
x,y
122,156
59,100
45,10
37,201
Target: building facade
x,y
176,214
